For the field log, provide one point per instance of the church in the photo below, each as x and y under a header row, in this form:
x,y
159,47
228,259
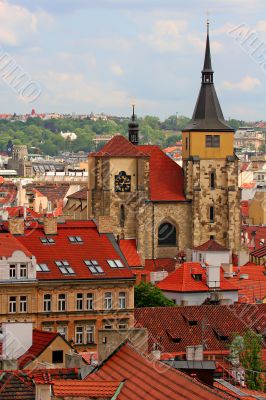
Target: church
x,y
137,192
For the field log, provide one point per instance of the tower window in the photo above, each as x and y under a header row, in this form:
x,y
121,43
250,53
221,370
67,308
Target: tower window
x,y
167,235
212,180
186,143
211,214
122,216
212,140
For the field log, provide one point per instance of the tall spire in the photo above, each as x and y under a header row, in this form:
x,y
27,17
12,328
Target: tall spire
x,y
133,128
207,114
207,72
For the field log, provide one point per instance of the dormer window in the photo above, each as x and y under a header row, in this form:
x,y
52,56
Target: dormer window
x,y
23,271
12,271
75,239
64,267
47,240
192,322
115,264
197,277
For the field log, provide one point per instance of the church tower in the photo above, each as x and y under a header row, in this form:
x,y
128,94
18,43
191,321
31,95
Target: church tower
x,y
211,167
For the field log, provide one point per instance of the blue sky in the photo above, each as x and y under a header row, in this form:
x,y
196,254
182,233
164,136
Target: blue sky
x,y
102,55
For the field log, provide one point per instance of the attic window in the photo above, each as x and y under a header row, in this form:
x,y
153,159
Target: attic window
x,y
221,334
197,277
47,240
192,322
94,267
173,336
42,268
75,239
115,264
64,267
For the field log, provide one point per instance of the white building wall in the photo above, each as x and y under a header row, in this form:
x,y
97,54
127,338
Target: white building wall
x,y
212,257
17,258
198,298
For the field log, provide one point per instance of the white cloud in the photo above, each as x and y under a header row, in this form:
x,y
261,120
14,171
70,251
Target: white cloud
x,y
166,35
17,22
247,84
261,26
116,69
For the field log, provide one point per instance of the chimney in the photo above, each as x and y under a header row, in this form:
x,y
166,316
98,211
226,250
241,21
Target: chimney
x,y
50,225
16,226
213,275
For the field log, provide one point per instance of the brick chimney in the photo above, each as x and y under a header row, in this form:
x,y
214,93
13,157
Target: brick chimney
x,y
50,225
16,226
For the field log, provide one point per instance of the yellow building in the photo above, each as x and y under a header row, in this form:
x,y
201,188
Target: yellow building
x,y
257,209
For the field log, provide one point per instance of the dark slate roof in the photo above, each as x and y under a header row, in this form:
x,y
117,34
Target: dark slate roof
x,y
208,115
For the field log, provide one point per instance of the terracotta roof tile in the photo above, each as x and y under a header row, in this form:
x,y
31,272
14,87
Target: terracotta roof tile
x,y
129,249
75,388
149,379
119,146
181,280
166,176
93,247
210,245
9,244
259,252
229,319
80,195
40,340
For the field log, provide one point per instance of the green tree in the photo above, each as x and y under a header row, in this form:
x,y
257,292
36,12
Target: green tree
x,y
148,295
247,349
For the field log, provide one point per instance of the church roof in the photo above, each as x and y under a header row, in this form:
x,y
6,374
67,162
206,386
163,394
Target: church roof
x,y
119,146
208,115
166,176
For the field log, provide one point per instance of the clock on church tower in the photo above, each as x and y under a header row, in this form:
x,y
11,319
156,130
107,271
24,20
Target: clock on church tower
x,y
122,182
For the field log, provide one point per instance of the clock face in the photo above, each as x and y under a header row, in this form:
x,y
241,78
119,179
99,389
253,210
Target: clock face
x,y
122,182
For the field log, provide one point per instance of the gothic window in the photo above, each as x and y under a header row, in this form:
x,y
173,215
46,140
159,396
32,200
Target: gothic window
x,y
167,234
212,180
122,216
211,214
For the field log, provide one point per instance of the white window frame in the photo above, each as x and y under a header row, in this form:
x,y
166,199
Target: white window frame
x,y
62,329
79,334
122,302
12,271
12,305
108,301
47,302
62,301
23,271
89,334
90,301
79,301
23,304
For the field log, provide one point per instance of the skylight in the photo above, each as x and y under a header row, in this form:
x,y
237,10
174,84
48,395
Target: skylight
x,y
115,264
47,240
42,268
65,268
94,267
75,239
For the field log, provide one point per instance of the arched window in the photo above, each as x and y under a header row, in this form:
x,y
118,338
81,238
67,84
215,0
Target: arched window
x,y
122,216
167,234
212,180
211,214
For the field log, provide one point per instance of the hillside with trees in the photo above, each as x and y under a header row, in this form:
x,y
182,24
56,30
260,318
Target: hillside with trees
x,y
45,134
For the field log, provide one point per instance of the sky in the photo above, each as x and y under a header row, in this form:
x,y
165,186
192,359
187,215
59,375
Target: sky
x,y
103,55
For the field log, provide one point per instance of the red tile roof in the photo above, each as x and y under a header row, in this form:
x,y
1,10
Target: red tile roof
x,y
160,264
9,244
252,289
253,235
161,321
75,388
20,385
119,146
181,280
210,245
166,176
259,252
94,247
40,341
148,379
129,249
80,194
18,211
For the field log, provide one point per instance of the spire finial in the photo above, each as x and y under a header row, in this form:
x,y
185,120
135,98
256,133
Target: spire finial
x,y
208,25
133,112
